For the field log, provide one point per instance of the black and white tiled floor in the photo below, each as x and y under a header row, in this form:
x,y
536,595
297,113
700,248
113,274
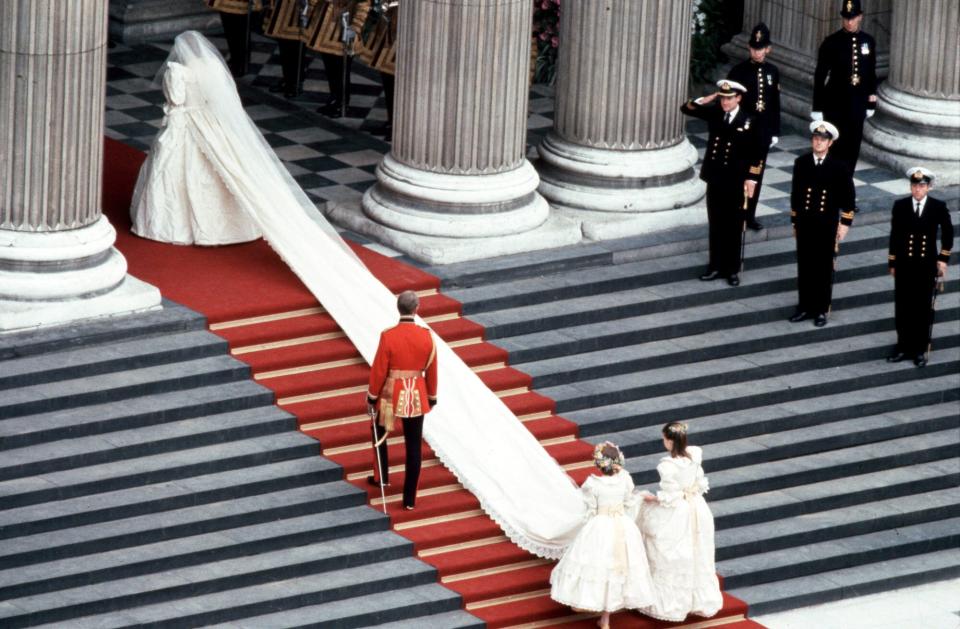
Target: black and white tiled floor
x,y
335,160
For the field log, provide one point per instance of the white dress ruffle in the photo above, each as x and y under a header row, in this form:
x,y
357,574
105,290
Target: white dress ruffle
x,y
605,568
678,534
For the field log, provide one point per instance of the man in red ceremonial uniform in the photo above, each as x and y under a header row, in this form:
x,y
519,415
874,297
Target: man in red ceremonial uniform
x,y
403,385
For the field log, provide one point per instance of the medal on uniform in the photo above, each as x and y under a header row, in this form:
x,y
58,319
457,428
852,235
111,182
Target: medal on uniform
x,y
760,106
864,49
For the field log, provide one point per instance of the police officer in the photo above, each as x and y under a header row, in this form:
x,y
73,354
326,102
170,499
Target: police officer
x,y
915,263
822,200
845,82
403,385
731,167
761,100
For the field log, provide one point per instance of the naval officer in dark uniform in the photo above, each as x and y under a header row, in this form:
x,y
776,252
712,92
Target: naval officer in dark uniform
x,y
731,167
822,200
845,82
762,100
915,263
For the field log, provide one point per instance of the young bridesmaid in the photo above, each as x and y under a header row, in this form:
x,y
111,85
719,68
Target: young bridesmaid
x,y
605,568
678,533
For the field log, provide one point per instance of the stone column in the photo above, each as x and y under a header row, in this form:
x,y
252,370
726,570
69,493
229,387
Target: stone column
x,y
797,29
456,185
57,262
617,149
918,113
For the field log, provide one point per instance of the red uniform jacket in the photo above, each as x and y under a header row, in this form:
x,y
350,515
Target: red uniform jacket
x,y
406,347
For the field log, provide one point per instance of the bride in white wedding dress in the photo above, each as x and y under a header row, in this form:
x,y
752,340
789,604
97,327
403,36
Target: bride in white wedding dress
x,y
472,432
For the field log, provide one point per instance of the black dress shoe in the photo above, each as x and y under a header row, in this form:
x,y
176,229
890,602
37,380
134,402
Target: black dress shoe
x,y
799,315
754,224
279,86
896,357
373,482
408,507
920,361
331,109
820,320
734,280
709,276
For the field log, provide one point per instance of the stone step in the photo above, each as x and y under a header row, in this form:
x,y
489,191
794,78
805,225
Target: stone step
x,y
843,523
144,499
123,445
446,620
134,413
168,466
170,585
178,523
742,396
366,595
194,550
111,357
847,582
83,391
171,319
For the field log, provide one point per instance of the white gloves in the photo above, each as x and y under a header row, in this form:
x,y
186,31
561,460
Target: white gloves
x,y
870,113
816,115
773,141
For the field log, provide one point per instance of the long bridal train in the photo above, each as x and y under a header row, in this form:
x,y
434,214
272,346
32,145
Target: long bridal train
x,y
472,432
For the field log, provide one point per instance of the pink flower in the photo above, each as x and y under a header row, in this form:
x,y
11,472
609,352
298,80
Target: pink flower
x,y
555,41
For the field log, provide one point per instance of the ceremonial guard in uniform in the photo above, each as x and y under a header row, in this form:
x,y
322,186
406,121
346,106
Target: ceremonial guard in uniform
x,y
403,385
325,35
379,51
237,17
917,265
284,21
731,167
822,200
761,100
845,82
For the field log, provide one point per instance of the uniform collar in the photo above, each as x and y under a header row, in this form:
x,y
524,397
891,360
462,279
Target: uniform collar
x,y
407,319
733,113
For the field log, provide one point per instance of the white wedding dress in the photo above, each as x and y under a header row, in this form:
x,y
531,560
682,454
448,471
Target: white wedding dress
x,y
472,431
605,568
180,196
678,533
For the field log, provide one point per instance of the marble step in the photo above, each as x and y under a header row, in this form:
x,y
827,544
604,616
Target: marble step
x,y
173,524
130,414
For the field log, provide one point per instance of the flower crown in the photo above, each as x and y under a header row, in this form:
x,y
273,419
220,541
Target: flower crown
x,y
606,463
677,428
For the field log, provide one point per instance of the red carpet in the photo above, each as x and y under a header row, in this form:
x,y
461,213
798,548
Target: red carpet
x,y
275,325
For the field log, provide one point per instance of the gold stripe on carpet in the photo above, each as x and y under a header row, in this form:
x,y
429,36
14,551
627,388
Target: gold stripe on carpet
x,y
512,392
426,292
292,371
486,572
447,316
503,600
440,519
279,316
331,423
300,340
321,395
474,543
394,469
476,340
431,491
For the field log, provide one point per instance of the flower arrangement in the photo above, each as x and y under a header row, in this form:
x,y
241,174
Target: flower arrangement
x,y
546,31
606,456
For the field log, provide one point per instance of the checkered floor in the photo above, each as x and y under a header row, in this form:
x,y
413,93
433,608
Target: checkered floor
x,y
335,160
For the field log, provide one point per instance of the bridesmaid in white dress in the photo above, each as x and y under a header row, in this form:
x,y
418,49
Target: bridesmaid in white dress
x,y
181,196
678,532
605,568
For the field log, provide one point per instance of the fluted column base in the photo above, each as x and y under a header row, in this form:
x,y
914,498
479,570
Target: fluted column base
x,y
910,130
51,278
642,191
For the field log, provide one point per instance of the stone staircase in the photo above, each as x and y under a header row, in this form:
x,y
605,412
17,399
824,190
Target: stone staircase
x,y
833,473
145,479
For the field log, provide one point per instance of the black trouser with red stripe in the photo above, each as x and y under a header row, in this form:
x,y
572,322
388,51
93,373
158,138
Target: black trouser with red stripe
x,y
412,438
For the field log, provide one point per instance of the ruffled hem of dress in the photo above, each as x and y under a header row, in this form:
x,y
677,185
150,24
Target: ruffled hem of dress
x,y
515,536
672,592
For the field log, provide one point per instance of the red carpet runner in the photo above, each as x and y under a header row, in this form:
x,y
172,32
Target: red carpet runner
x,y
293,347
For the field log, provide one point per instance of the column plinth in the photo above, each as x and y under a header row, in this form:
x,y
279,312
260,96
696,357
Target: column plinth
x,y
57,261
456,185
617,158
918,109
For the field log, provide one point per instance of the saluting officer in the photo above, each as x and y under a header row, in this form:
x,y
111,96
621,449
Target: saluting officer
x,y
822,200
762,100
731,167
845,82
915,263
403,385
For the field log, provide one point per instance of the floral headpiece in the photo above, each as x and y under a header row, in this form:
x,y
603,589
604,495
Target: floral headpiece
x,y
606,463
677,428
